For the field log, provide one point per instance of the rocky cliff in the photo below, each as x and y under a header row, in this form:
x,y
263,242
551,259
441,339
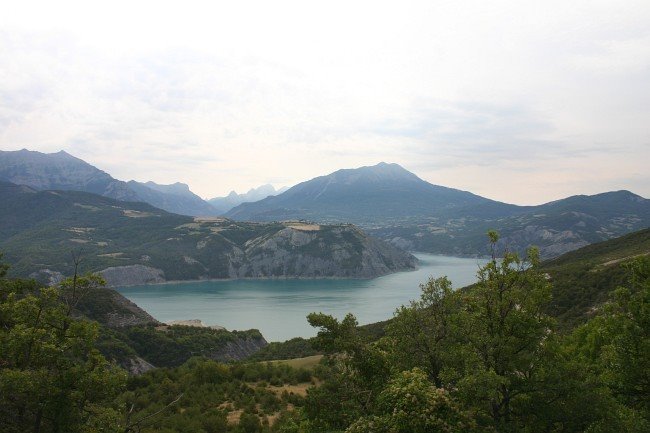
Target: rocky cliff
x,y
287,250
111,309
131,275
307,250
238,349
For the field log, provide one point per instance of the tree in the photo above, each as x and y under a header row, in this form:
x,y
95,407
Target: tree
x,y
614,348
503,334
411,404
52,379
420,335
358,370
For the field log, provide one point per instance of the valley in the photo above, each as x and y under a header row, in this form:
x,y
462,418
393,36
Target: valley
x,y
264,311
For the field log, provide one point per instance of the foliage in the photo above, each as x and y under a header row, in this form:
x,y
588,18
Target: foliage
x,y
217,397
419,334
502,338
294,348
489,358
411,404
583,279
52,379
615,345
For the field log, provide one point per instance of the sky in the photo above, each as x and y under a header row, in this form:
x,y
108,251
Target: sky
x,y
519,101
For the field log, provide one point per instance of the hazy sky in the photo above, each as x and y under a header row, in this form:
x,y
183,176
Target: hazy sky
x,y
518,101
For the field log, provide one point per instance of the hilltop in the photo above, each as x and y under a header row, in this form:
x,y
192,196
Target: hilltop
x,y
135,243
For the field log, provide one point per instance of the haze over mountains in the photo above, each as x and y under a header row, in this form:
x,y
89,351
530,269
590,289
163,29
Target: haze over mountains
x,y
62,171
386,200
224,204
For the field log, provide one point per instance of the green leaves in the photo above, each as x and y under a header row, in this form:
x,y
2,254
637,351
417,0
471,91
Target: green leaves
x,y
411,404
51,376
483,348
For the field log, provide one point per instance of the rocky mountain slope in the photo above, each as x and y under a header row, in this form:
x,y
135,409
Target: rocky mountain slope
x,y
135,243
62,171
138,342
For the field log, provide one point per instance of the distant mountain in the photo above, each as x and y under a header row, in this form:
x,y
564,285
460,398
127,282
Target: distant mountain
x,y
394,204
177,188
224,204
175,198
379,194
62,171
556,227
135,243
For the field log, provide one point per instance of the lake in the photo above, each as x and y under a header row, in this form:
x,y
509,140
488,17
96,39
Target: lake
x,y
278,307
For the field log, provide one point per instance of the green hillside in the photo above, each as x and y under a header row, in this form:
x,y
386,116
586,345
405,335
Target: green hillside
x,y
583,279
41,229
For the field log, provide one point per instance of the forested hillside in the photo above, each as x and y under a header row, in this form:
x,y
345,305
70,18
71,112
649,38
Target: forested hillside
x,y
505,354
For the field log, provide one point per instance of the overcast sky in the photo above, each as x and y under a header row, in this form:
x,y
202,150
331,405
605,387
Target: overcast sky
x,y
518,101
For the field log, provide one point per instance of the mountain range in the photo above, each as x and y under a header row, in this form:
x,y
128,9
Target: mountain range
x,y
378,194
386,200
394,204
62,171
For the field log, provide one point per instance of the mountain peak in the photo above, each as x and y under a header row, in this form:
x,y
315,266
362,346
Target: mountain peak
x,y
382,172
174,188
359,195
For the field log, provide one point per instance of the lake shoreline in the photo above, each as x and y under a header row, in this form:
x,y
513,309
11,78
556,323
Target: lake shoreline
x,y
278,307
207,280
279,278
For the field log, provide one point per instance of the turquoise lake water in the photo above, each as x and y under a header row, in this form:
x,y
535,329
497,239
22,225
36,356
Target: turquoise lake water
x,y
278,307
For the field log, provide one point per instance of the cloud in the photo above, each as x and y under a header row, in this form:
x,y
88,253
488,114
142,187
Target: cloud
x,y
508,93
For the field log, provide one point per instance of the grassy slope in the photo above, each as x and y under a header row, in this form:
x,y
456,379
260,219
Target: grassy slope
x,y
583,278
